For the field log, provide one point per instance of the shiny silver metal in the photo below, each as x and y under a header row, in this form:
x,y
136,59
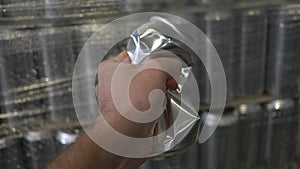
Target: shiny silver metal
x,y
249,134
10,149
19,59
189,140
219,28
298,142
58,55
145,40
56,63
141,5
283,52
61,107
39,147
278,139
17,52
11,2
80,34
2,82
187,159
22,9
175,106
216,2
57,9
221,149
250,65
66,137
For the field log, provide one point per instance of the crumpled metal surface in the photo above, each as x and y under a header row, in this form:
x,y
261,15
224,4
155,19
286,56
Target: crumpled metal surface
x,y
145,40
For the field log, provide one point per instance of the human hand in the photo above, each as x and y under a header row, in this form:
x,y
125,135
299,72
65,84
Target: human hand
x,y
139,90
85,153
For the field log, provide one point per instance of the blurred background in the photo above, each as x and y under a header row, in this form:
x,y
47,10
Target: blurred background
x,y
259,46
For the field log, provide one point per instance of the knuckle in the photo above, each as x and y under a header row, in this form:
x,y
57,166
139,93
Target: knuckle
x,y
102,67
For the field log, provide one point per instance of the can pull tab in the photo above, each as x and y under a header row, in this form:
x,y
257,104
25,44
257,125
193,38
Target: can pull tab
x,y
184,105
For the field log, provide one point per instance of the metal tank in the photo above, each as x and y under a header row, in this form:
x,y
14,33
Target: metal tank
x,y
19,75
39,147
215,2
40,89
81,34
298,142
11,154
219,28
3,84
58,55
283,51
278,141
58,59
6,2
250,62
17,52
221,149
21,9
142,5
61,106
249,134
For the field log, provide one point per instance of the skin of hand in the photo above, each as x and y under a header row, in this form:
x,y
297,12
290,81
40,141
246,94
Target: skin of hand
x,y
84,153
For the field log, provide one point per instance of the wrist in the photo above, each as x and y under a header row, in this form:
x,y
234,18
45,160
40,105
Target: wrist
x,y
112,161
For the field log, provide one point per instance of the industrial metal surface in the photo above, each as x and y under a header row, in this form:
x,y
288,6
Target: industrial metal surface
x,y
283,51
258,46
